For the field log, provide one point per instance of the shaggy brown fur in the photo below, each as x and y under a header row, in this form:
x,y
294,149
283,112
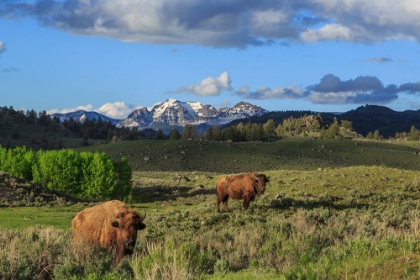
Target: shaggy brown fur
x,y
244,186
110,224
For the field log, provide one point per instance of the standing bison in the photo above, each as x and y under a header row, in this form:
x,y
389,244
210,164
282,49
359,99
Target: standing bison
x,y
110,225
244,186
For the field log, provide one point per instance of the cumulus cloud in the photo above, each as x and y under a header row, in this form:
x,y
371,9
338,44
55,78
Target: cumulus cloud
x,y
2,47
290,92
330,32
117,110
209,86
234,23
87,108
410,88
224,104
332,90
364,89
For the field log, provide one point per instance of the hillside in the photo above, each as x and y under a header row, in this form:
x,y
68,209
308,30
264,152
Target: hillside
x,y
19,192
365,119
288,153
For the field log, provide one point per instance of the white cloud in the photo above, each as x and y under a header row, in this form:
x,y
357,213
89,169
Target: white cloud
x,y
87,108
235,23
331,32
332,97
209,86
290,92
224,104
2,47
117,110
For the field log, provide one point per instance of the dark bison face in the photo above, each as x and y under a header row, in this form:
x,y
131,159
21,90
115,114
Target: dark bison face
x,y
261,180
127,224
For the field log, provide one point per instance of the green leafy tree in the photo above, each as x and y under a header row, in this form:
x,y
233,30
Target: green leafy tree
x,y
208,135
123,175
333,130
280,130
347,125
414,133
174,135
98,175
159,134
217,133
189,132
230,133
269,128
377,135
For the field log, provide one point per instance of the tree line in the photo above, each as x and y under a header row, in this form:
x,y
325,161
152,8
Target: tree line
x,y
85,175
307,125
299,124
11,120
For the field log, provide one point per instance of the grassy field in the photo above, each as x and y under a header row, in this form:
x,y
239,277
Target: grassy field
x,y
332,210
288,153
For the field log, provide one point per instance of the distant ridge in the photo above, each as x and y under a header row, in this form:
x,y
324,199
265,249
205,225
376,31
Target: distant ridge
x,y
365,119
375,109
173,114
82,115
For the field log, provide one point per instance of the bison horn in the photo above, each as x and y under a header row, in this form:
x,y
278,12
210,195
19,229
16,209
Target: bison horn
x,y
144,216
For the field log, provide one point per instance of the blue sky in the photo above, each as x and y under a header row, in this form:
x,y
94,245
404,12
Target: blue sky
x,y
113,56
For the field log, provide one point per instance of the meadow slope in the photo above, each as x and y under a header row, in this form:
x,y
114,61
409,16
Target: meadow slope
x,y
332,210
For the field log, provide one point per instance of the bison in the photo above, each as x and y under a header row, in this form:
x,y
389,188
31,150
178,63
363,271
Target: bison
x,y
244,186
110,225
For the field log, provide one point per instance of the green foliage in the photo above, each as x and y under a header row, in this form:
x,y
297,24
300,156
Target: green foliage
x,y
377,135
85,174
269,128
59,170
123,185
174,135
159,134
189,132
17,162
98,175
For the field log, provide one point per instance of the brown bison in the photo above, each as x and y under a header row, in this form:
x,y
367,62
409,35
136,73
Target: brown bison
x,y
244,186
110,225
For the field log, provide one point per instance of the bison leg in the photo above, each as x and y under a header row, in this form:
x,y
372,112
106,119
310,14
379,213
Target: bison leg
x,y
225,204
224,199
245,203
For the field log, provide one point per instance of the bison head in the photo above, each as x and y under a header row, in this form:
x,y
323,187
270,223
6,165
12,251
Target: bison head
x,y
260,181
128,222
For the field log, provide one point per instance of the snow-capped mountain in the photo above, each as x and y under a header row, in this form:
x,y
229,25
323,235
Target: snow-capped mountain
x,y
177,113
173,113
82,115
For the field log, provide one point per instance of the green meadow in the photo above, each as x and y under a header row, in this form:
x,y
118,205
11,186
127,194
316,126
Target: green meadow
x,y
336,209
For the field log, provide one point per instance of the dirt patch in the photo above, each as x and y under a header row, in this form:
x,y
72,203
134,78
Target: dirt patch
x,y
20,192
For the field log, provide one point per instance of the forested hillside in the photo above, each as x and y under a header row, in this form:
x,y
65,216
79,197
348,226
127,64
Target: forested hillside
x,y
365,119
41,131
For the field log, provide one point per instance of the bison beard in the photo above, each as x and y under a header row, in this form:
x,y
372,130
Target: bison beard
x,y
110,225
244,186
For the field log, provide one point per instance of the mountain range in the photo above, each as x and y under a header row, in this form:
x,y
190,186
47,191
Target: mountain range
x,y
173,113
